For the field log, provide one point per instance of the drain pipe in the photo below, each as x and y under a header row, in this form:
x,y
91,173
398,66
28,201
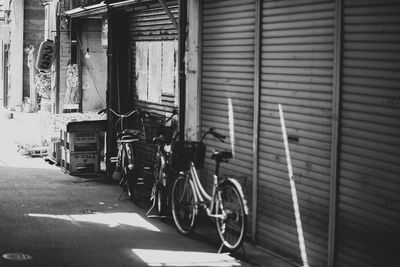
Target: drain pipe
x,y
181,67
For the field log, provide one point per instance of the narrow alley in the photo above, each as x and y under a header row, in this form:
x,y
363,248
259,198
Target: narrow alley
x,y
49,218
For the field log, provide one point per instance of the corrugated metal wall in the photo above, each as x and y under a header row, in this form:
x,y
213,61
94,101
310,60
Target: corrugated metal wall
x,y
297,72
149,22
369,184
228,73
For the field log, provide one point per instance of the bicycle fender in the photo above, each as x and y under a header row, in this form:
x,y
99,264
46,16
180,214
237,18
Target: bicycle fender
x,y
163,172
240,190
129,153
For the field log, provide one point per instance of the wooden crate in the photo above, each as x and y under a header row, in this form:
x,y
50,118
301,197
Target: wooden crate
x,y
55,152
76,163
80,141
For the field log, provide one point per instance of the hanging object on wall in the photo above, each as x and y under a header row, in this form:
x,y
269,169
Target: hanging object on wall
x,y
46,54
104,32
72,95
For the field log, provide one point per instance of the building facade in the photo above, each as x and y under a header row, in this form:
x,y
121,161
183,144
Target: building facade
x,y
307,91
23,29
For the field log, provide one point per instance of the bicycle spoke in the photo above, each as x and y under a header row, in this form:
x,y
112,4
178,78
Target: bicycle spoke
x,y
231,227
184,207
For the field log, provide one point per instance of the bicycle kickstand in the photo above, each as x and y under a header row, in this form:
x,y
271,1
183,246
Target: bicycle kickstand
x,y
222,246
120,194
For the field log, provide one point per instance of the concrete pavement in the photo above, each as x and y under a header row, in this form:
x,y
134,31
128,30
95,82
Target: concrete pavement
x,y
62,220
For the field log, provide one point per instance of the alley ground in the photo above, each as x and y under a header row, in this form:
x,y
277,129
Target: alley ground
x,y
51,219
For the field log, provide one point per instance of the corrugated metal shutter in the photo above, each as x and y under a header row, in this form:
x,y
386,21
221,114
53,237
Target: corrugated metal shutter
x,y
228,73
149,22
297,72
369,189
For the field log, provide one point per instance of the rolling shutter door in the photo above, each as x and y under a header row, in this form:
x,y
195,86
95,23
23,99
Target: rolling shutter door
x,y
228,73
369,185
297,72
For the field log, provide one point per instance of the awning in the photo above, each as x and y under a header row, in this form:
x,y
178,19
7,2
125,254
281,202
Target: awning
x,y
96,9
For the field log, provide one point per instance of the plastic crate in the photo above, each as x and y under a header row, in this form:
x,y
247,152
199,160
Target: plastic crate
x,y
76,163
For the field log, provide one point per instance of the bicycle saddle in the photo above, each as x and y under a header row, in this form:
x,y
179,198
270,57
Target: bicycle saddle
x,y
160,140
221,155
129,133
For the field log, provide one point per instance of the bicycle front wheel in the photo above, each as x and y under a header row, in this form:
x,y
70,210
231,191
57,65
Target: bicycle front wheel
x,y
184,207
231,220
128,172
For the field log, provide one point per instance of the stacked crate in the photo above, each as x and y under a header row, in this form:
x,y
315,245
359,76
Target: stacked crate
x,y
81,146
80,152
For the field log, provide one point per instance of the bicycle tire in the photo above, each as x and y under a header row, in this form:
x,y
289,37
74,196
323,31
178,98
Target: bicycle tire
x,y
128,174
159,194
230,203
161,200
184,205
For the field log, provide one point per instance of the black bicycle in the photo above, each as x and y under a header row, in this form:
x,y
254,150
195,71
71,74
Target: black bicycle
x,y
161,135
125,164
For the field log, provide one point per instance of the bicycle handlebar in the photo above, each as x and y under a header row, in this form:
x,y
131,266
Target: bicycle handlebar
x,y
174,112
157,116
214,133
130,113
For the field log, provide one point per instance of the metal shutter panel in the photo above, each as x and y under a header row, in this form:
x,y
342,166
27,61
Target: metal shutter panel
x,y
297,72
228,72
369,185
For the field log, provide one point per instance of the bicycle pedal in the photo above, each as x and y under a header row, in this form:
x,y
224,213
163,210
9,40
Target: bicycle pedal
x,y
113,159
202,204
140,181
146,168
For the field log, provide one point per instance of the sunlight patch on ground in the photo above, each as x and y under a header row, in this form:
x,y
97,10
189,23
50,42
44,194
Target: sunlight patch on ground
x,y
154,257
26,133
108,219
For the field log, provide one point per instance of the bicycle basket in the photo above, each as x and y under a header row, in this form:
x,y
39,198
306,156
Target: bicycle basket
x,y
193,151
154,127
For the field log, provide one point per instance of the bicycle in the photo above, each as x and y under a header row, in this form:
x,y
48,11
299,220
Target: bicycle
x,y
226,204
125,159
163,137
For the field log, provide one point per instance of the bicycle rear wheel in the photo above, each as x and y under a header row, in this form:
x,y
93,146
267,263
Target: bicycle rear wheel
x,y
231,225
160,193
184,207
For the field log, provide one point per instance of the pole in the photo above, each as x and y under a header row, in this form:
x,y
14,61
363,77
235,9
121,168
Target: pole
x,y
58,58
181,66
111,143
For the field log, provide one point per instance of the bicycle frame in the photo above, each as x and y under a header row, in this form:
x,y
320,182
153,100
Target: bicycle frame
x,y
201,195
226,204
